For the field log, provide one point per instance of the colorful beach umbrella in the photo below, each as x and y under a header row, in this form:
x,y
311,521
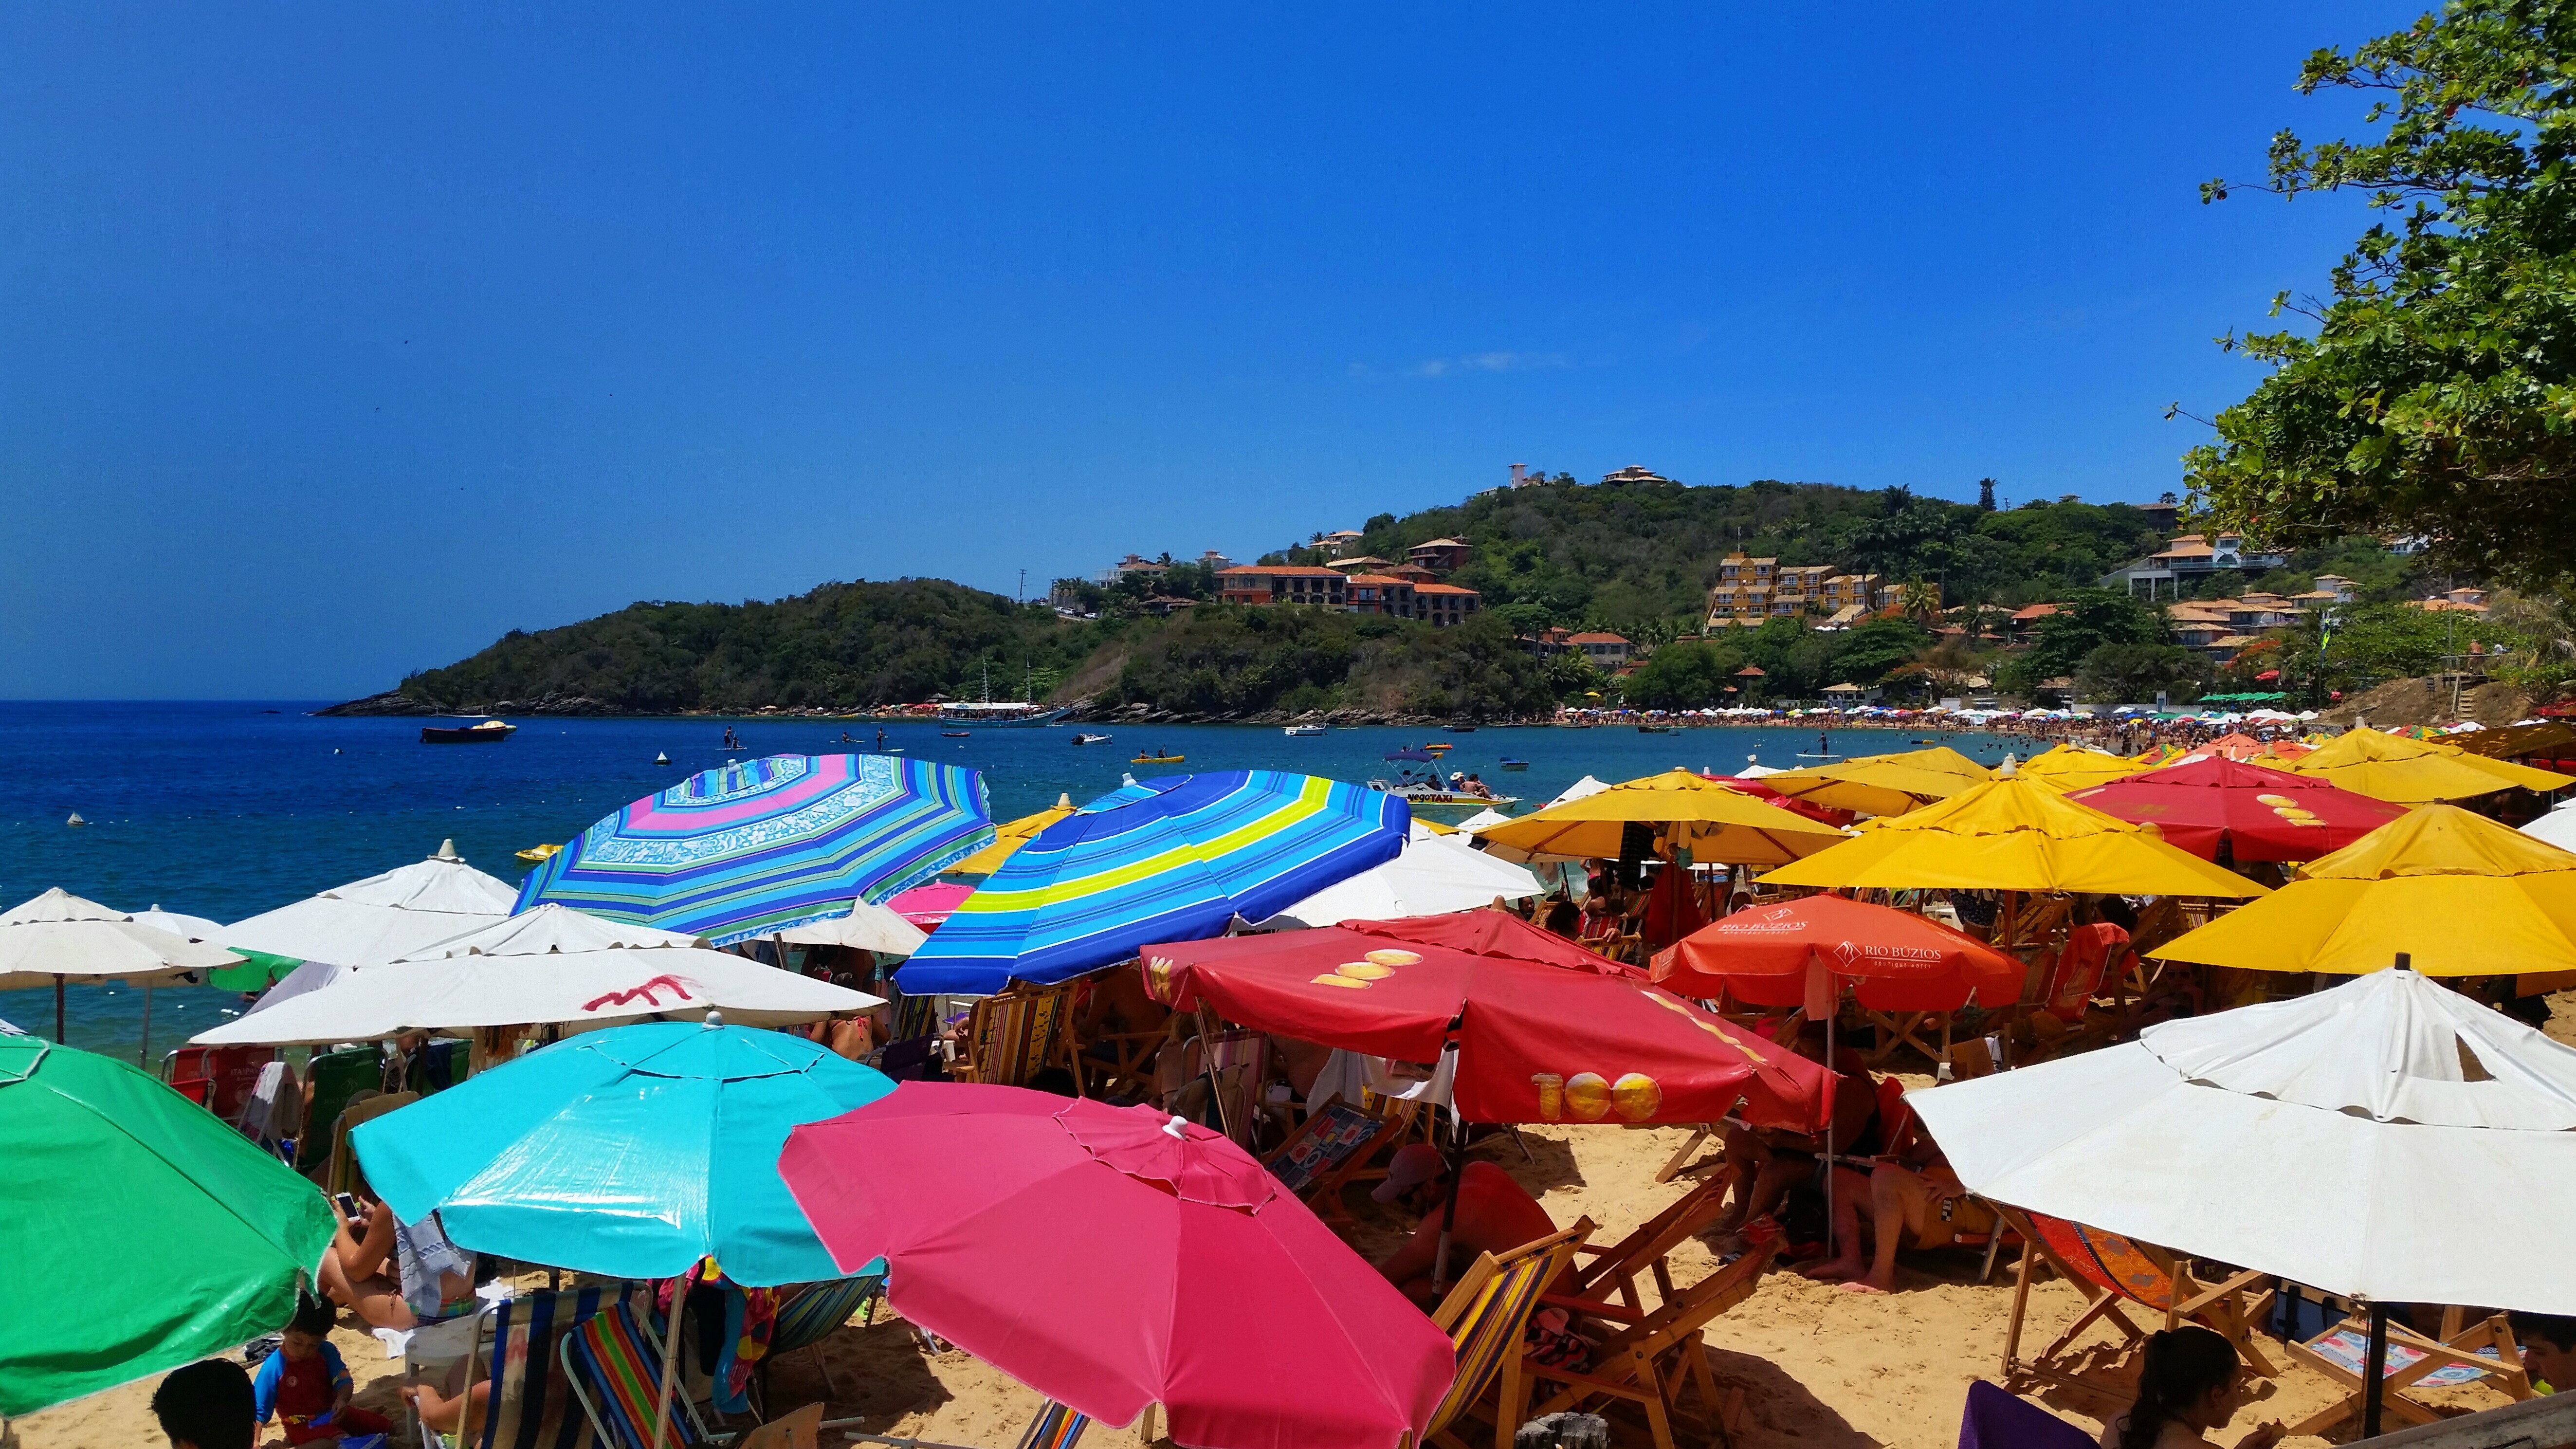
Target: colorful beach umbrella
x,y
2253,812
1883,784
2012,834
1535,1043
929,906
1112,1257
2068,768
2411,772
1716,822
1172,857
181,1237
1010,836
1797,952
2459,893
753,848
631,1153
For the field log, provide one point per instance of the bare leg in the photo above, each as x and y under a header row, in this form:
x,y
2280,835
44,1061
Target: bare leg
x,y
1849,1188
461,1415
1746,1156
1887,1192
378,1301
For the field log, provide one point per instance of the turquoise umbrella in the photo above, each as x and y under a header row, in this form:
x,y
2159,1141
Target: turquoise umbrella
x,y
142,1232
632,1152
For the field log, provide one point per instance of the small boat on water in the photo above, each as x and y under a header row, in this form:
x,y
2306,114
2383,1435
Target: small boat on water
x,y
957,734
540,854
1652,729
1156,760
1460,729
1299,732
1414,792
489,732
1080,738
1508,763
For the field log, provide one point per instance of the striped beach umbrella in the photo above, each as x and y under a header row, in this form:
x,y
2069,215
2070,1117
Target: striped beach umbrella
x,y
760,846
1167,859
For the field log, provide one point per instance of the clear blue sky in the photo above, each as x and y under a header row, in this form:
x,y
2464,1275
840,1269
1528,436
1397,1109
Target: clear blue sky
x,y
337,340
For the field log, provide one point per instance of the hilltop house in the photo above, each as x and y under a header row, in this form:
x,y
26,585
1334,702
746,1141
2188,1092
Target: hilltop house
x,y
1606,651
1441,555
2193,555
1634,473
1262,585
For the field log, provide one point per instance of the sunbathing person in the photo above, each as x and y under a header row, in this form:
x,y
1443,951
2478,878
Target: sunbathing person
x,y
430,1276
1766,1162
2188,1384
1495,1215
1911,1199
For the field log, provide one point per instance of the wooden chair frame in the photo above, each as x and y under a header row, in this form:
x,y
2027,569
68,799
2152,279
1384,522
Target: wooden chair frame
x,y
1615,1269
1324,1194
1655,1360
2219,1306
1508,1392
2456,1347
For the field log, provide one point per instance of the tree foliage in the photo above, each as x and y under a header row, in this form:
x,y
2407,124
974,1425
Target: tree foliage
x,y
2435,393
1233,660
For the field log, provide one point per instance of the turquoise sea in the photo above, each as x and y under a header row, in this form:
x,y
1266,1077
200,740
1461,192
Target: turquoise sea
x,y
228,809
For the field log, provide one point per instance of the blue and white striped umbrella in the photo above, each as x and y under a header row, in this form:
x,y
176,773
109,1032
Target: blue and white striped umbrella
x,y
1168,859
758,847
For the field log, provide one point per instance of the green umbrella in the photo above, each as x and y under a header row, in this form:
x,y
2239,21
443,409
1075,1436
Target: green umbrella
x,y
141,1232
259,971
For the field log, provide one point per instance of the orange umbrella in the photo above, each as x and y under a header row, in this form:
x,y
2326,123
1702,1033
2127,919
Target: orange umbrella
x,y
1796,953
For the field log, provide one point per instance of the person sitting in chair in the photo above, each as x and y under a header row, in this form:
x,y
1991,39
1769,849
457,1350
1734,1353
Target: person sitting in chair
x,y
1495,1215
431,1277
1766,1163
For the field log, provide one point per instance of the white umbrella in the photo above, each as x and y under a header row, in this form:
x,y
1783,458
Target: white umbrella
x,y
1482,818
1580,788
867,927
193,928
550,965
2387,1140
58,935
384,916
1754,769
1432,878
2557,826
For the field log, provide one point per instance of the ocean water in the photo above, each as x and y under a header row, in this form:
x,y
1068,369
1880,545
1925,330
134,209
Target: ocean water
x,y
228,809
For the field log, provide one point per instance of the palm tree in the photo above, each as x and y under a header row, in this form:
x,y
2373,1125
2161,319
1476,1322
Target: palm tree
x,y
1919,600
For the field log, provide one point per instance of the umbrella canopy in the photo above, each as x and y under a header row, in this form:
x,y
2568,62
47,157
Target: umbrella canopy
x,y
58,934
2461,894
631,1153
2012,834
1434,876
866,927
548,966
1495,933
1717,822
195,928
2254,812
2558,827
374,920
1010,837
2411,772
2383,1141
757,847
1176,856
1111,1258
1588,785
2069,768
1797,951
1536,1043
1883,784
184,1237
929,906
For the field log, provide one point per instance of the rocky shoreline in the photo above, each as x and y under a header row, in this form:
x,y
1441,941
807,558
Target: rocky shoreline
x,y
397,703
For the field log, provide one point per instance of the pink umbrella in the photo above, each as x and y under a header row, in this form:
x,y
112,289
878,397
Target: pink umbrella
x,y
928,905
1110,1258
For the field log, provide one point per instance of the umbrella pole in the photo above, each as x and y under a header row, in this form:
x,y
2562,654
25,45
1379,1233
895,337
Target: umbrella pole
x,y
671,1354
59,1039
2374,1368
143,1055
1449,1208
1832,1100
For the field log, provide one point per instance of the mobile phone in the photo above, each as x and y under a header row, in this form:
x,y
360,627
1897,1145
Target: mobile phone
x,y
348,1205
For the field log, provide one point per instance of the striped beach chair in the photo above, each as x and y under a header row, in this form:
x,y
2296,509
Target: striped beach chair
x,y
2110,1270
1055,1427
1487,1316
528,1407
811,1317
613,1361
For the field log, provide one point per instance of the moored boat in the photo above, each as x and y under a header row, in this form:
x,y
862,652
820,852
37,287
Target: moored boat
x,y
1302,731
1088,739
490,731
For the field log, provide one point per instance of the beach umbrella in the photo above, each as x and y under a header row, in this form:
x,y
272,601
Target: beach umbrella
x,y
1534,1042
1883,784
1112,1258
547,966
929,906
1495,933
193,928
753,848
1433,876
2558,826
1010,837
1175,856
1799,952
1715,822
2461,894
1588,785
635,1152
2411,772
184,1237
59,936
867,927
2069,768
2253,812
2012,834
2388,1140
371,920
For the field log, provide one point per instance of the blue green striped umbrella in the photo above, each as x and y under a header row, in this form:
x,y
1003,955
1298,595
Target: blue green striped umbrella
x,y
1167,859
758,847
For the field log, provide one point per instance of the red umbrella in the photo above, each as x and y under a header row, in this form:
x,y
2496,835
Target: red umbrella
x,y
1495,933
2259,814
1535,1043
1789,954
1756,788
1109,1258
927,906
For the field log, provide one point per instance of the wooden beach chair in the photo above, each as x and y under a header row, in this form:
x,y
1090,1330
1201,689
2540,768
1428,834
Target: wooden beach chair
x,y
1487,1316
613,1363
1655,1360
815,1314
520,1340
2482,1350
2110,1270
1330,1149
334,1078
1012,1037
1607,1285
340,1169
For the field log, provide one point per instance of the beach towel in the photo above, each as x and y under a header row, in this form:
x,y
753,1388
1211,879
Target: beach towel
x,y
423,1253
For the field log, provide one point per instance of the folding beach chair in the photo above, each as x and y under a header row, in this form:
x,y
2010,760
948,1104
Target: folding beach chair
x,y
2091,959
221,1078
1234,1063
1012,1037
335,1077
1653,1361
340,1170
2110,1270
1607,1286
613,1363
2483,1350
1487,1316
812,1316
1055,1427
528,1407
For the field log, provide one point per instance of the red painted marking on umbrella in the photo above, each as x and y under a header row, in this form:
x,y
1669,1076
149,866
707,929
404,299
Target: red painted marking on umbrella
x,y
643,992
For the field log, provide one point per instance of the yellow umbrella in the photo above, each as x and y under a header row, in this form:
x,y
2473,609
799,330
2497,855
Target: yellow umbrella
x,y
1883,784
2411,772
1010,837
2459,893
1717,822
2012,833
2068,768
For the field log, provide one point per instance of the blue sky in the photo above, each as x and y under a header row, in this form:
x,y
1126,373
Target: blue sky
x,y
336,341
